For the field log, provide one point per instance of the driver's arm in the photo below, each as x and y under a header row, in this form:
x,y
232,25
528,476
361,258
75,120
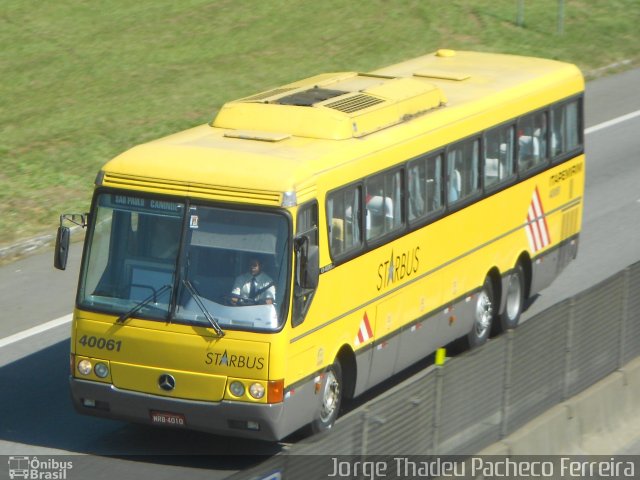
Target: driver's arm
x,y
237,289
270,294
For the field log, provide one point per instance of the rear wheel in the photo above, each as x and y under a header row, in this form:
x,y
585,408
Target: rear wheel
x,y
514,300
331,400
484,314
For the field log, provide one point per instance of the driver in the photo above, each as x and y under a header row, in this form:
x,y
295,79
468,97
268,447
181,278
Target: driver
x,y
254,286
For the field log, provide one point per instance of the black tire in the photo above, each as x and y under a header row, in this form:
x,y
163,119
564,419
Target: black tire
x,y
514,300
331,400
483,316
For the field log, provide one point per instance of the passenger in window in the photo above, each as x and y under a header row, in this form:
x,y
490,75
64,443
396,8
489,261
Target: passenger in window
x,y
540,136
455,185
253,287
416,194
337,236
379,215
506,158
492,164
528,150
556,130
532,141
498,165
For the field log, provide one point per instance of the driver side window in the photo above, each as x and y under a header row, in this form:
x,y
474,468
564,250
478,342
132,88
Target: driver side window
x,y
307,224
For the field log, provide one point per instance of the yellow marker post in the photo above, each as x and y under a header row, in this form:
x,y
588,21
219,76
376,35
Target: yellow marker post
x,y
441,354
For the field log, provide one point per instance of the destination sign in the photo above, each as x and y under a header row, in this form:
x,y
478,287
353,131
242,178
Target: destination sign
x,y
140,204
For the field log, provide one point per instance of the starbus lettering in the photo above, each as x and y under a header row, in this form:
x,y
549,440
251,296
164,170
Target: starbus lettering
x,y
238,361
398,267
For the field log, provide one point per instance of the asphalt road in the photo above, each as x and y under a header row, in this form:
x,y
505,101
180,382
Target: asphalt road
x,y
36,417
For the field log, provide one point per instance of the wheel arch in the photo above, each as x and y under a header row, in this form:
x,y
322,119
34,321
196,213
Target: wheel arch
x,y
347,359
496,283
525,261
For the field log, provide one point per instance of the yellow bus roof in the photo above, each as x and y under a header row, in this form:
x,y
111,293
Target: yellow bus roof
x,y
261,146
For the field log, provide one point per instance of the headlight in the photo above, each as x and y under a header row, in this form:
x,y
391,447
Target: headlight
x,y
101,370
84,367
256,390
236,388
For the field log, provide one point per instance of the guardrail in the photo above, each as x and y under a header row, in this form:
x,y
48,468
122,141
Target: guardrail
x,y
479,397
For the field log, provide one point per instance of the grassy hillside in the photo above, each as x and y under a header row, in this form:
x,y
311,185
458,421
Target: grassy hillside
x,y
83,81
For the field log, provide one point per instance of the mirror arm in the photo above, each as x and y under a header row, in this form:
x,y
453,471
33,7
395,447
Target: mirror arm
x,y
79,219
63,238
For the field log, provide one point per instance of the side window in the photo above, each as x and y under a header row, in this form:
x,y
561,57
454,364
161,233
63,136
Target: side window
x,y
565,128
343,217
462,171
383,200
572,126
426,194
498,155
557,130
532,141
307,224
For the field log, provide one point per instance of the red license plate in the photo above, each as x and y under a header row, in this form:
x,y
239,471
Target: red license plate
x,y
168,419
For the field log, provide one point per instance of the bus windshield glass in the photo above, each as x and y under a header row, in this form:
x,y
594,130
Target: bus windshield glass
x,y
237,262
234,261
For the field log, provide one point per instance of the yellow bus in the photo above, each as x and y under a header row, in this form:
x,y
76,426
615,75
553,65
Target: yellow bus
x,y
244,276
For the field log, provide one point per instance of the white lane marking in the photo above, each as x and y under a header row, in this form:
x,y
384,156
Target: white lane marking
x,y
16,337
67,318
612,122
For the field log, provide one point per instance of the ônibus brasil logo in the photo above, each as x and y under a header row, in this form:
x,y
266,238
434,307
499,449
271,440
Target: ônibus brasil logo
x,y
36,469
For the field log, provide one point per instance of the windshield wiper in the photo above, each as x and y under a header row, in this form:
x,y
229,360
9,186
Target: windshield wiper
x,y
196,296
154,296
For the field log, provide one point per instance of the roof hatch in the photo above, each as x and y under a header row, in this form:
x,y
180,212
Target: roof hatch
x,y
332,106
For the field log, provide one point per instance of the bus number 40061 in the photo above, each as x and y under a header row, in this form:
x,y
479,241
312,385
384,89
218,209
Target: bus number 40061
x,y
101,343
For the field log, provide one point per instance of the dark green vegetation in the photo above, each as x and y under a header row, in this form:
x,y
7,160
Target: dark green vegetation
x,y
83,81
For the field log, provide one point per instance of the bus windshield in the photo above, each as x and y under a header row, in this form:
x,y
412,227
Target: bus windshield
x,y
145,259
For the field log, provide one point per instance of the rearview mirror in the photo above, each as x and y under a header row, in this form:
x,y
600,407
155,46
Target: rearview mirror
x,y
63,237
62,248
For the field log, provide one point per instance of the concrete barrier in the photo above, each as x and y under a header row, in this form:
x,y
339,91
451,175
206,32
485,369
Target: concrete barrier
x,y
600,420
23,248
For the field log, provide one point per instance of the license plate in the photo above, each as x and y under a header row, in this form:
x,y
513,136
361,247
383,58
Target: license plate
x,y
168,418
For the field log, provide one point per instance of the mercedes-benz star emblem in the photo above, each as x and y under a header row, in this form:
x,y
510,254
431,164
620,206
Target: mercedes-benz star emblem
x,y
166,382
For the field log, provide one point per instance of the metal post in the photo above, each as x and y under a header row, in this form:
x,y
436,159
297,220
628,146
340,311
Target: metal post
x,y
425,427
437,411
560,17
520,13
365,432
624,317
506,391
569,347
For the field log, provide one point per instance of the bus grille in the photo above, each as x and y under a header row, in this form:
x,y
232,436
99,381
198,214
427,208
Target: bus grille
x,y
570,222
172,187
264,95
355,103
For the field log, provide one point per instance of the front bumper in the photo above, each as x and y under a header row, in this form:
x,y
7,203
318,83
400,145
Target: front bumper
x,y
222,418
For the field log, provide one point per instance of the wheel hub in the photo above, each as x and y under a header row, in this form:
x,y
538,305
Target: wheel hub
x,y
330,396
484,312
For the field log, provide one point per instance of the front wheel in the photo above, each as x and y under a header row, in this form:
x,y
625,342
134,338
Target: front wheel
x,y
484,314
331,400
